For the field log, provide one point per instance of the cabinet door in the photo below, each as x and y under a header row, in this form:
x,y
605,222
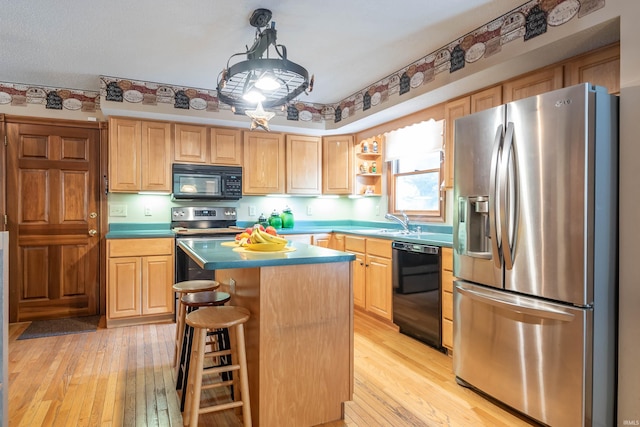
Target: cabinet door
x,y
155,158
263,170
190,143
323,240
304,164
601,68
337,164
123,287
452,110
124,155
157,279
226,147
486,99
447,297
533,84
359,280
379,286
337,242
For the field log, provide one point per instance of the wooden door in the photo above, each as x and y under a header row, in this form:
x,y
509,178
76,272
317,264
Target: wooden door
x,y
190,143
263,165
536,83
452,110
226,146
53,206
337,165
155,157
379,286
124,155
304,164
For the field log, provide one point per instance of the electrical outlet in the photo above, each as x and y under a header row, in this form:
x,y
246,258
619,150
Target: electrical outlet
x,y
309,210
118,210
252,211
232,286
377,210
147,211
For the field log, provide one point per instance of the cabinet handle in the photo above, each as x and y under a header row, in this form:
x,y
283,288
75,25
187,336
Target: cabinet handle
x,y
93,232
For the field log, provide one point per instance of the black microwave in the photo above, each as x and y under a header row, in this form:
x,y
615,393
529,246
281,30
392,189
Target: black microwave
x,y
207,182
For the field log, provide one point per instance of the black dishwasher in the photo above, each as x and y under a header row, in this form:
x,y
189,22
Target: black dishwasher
x,y
416,292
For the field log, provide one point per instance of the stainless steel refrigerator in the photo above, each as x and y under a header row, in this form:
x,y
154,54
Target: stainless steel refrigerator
x,y
535,240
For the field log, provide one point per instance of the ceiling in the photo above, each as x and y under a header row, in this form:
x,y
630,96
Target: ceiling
x,y
347,45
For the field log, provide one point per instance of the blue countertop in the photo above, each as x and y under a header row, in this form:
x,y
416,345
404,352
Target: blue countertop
x,y
437,235
210,254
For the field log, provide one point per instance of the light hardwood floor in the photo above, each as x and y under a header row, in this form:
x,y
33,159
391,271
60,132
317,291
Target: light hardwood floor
x,y
123,377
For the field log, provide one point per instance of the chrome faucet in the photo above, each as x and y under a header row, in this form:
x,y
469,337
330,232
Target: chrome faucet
x,y
404,222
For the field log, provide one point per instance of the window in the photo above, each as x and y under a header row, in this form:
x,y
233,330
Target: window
x,y
414,156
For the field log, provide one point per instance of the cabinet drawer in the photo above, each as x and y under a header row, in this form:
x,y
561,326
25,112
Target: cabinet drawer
x,y
447,259
447,333
353,243
379,247
447,305
140,247
447,281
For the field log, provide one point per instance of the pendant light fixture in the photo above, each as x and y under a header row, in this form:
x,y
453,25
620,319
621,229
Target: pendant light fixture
x,y
266,78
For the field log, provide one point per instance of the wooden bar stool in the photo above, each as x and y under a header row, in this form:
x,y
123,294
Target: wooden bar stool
x,y
181,289
191,302
223,317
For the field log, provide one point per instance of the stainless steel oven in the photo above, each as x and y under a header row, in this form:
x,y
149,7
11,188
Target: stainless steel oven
x,y
416,292
199,223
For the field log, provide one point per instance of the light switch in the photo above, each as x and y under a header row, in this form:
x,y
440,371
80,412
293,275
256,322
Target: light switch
x,y
252,211
117,210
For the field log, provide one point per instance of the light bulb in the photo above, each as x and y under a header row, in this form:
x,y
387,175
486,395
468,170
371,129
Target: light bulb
x,y
253,96
267,82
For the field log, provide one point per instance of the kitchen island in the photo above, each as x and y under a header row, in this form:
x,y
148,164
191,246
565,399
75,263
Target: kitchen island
x,y
300,335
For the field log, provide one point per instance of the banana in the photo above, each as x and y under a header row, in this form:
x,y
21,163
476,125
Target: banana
x,y
270,238
256,236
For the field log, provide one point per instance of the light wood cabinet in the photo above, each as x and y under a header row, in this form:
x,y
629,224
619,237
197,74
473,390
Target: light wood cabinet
x,y
372,277
263,169
304,164
447,298
140,276
536,83
225,146
452,110
368,167
139,155
485,99
600,67
190,143
337,242
337,164
322,239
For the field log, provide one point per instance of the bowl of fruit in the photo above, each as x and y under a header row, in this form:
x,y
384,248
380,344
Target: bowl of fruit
x,y
261,239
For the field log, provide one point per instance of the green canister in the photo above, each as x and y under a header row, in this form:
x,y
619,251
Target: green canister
x,y
263,221
274,220
287,218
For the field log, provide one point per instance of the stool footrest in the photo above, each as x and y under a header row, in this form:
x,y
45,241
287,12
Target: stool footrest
x,y
221,407
220,369
217,385
218,353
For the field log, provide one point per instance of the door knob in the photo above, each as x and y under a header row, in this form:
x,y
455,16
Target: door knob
x,y
93,215
93,232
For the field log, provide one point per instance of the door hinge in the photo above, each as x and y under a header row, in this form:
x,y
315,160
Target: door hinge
x,y
6,219
5,141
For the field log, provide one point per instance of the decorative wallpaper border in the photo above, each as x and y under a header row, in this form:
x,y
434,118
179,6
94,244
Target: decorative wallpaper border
x,y
530,20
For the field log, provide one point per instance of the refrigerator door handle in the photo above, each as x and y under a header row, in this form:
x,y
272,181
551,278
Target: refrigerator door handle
x,y
507,249
494,225
515,304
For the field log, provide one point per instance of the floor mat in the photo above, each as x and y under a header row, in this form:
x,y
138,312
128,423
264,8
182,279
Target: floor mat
x,y
49,328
